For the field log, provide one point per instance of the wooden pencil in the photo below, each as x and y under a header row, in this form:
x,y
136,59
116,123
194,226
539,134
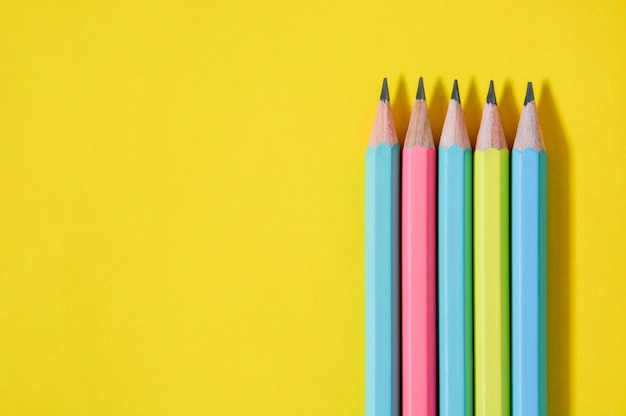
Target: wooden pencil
x,y
528,261
491,265
419,267
382,265
456,361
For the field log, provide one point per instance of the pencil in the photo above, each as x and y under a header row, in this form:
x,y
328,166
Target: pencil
x,y
382,265
456,371
528,247
491,264
419,264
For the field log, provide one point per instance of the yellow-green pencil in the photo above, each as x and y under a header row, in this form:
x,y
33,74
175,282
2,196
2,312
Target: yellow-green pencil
x,y
491,265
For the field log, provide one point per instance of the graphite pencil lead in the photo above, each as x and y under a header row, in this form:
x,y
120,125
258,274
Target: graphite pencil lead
x,y
491,95
384,94
420,90
530,96
455,92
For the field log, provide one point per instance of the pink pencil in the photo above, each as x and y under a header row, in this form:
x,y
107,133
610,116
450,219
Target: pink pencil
x,y
419,259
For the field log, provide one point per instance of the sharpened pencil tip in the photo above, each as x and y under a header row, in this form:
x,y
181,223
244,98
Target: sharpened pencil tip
x,y
455,92
530,96
384,94
491,95
420,90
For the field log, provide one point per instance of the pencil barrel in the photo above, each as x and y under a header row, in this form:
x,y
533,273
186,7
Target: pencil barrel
x,y
491,282
419,290
382,281
528,279
455,332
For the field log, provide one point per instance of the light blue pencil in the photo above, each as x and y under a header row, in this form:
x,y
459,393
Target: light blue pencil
x,y
382,265
456,375
528,245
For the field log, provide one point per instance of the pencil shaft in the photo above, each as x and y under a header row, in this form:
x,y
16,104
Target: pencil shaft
x,y
382,266
419,290
491,282
456,376
528,244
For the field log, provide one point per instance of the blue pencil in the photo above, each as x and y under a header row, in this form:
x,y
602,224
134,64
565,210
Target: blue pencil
x,y
528,244
382,265
456,386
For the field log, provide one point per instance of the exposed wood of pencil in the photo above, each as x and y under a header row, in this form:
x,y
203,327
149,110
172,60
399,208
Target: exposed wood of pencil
x,y
491,133
528,131
419,132
454,129
384,130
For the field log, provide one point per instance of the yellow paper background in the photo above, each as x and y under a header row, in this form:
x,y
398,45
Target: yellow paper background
x,y
181,193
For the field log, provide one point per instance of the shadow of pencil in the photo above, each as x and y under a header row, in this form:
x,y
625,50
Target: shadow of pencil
x,y
473,111
559,248
437,109
401,107
509,112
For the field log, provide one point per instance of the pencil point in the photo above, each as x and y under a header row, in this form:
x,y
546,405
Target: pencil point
x,y
384,94
530,96
491,95
455,92
420,90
